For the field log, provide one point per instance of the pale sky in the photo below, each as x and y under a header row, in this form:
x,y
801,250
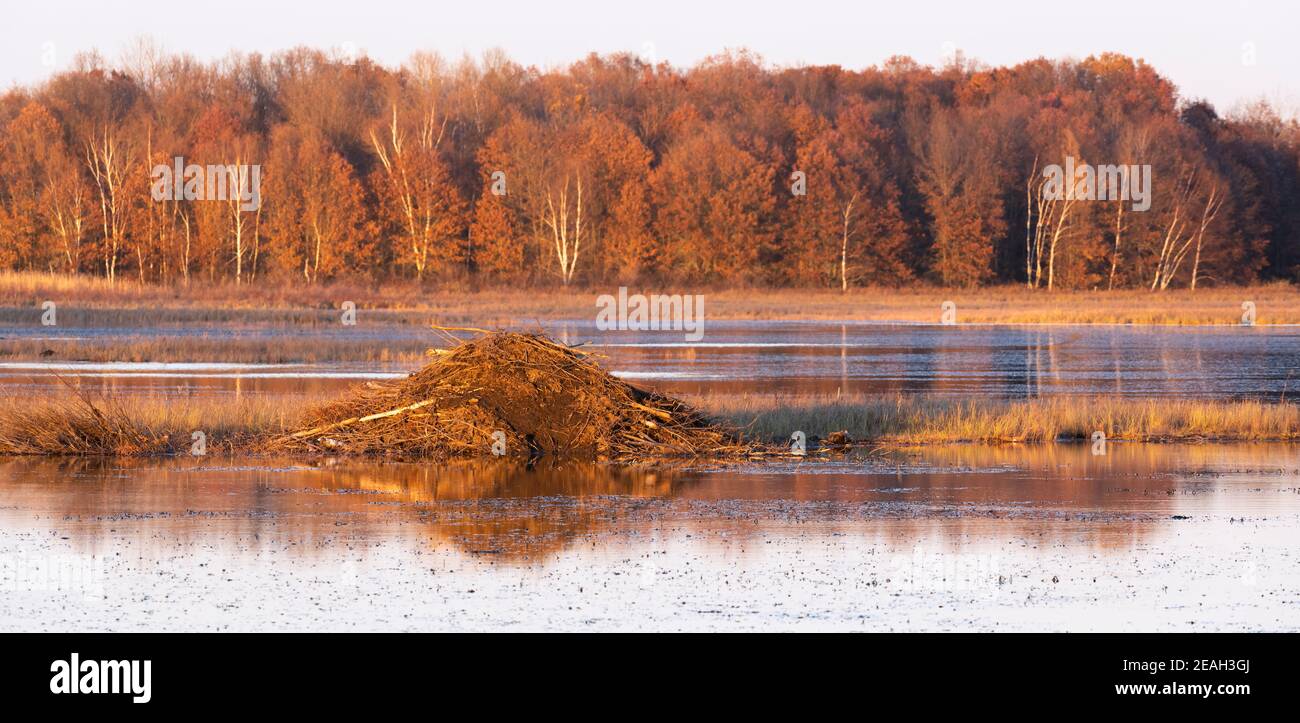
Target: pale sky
x,y
1227,52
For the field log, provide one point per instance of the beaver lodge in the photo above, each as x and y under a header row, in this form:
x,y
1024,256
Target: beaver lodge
x,y
536,396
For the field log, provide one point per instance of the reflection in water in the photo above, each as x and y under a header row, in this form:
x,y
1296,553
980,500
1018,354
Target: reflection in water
x,y
504,506
509,508
516,509
959,537
950,538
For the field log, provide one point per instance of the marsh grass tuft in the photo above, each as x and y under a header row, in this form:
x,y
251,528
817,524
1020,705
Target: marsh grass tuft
x,y
77,423
931,420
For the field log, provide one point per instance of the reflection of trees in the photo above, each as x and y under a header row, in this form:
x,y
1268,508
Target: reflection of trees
x,y
1063,494
954,496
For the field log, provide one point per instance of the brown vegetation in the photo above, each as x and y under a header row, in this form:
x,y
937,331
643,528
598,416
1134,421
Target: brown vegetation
x,y
929,420
616,170
522,392
80,423
146,426
90,302
535,397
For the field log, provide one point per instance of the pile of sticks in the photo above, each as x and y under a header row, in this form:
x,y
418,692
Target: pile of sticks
x,y
511,394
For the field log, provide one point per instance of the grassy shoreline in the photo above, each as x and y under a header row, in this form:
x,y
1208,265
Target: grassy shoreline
x,y
141,426
304,326
928,420
67,424
86,300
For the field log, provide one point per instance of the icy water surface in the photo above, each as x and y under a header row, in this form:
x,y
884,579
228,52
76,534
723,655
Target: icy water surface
x,y
957,538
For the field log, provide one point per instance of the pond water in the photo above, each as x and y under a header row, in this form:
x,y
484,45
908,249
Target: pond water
x,y
953,538
741,357
1049,537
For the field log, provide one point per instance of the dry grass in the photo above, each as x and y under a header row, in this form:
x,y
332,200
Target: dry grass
x,y
134,426
82,424
407,302
226,349
922,420
548,398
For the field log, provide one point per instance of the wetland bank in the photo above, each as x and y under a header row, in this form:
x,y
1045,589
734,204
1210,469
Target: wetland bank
x,y
1187,521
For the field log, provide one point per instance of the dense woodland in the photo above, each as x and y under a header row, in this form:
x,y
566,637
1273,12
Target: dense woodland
x,y
617,171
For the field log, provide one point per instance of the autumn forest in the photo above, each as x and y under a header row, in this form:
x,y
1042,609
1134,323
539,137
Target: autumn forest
x,y
612,170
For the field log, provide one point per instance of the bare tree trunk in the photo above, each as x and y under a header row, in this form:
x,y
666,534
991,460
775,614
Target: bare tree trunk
x,y
257,242
393,157
1043,226
185,265
844,245
315,264
1058,231
1029,221
1171,253
67,212
1212,205
1119,230
557,219
1165,250
108,162
1049,229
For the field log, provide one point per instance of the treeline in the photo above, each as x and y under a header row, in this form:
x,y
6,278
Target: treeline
x,y
616,171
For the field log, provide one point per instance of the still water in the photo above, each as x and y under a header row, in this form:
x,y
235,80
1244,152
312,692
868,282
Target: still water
x,y
1049,537
740,357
